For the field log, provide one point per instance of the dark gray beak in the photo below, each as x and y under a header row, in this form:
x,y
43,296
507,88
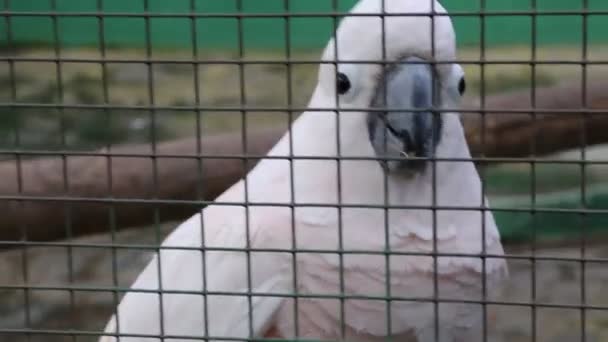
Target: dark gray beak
x,y
405,134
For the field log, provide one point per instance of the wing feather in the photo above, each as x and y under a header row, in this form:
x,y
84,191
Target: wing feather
x,y
229,273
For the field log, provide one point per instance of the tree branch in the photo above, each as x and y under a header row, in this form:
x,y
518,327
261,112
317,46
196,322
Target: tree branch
x,y
527,134
52,214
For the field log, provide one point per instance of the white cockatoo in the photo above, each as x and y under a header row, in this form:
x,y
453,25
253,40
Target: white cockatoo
x,y
293,281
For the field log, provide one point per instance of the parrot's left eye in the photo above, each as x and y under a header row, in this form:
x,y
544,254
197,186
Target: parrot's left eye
x,y
462,86
342,83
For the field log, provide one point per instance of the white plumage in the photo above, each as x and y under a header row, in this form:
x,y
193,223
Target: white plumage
x,y
364,276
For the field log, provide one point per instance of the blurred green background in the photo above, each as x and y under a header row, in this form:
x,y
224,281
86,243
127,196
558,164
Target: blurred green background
x,y
304,32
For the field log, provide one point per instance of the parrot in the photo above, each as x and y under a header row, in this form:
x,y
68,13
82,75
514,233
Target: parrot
x,y
347,229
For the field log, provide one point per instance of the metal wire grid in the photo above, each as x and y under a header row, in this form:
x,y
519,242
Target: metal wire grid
x,y
196,62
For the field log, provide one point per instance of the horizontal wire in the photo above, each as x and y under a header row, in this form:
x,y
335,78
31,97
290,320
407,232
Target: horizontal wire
x,y
113,200
283,15
556,111
291,61
239,156
100,245
324,296
72,332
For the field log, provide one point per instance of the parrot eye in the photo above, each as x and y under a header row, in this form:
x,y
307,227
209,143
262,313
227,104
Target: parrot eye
x,y
342,83
462,86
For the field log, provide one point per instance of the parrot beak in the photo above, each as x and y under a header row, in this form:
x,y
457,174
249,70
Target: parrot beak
x,y
410,129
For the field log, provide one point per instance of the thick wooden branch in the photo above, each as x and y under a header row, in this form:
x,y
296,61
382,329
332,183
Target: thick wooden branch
x,y
559,122
106,182
101,189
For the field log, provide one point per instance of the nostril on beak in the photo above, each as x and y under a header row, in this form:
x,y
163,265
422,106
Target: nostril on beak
x,y
395,132
403,135
409,146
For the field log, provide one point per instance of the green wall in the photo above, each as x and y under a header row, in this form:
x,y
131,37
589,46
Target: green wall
x,y
270,32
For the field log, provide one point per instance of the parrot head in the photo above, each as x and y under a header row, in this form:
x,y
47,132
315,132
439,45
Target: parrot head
x,y
398,68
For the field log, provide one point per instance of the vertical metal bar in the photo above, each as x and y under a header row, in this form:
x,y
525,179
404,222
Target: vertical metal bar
x,y
200,191
67,206
583,165
334,4
152,113
433,160
20,205
243,100
533,42
386,199
108,115
292,187
199,160
482,90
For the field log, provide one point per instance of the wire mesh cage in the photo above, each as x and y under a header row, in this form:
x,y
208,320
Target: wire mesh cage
x,y
287,169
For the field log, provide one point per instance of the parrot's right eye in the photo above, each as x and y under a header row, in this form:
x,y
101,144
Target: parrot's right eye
x,y
462,86
342,83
